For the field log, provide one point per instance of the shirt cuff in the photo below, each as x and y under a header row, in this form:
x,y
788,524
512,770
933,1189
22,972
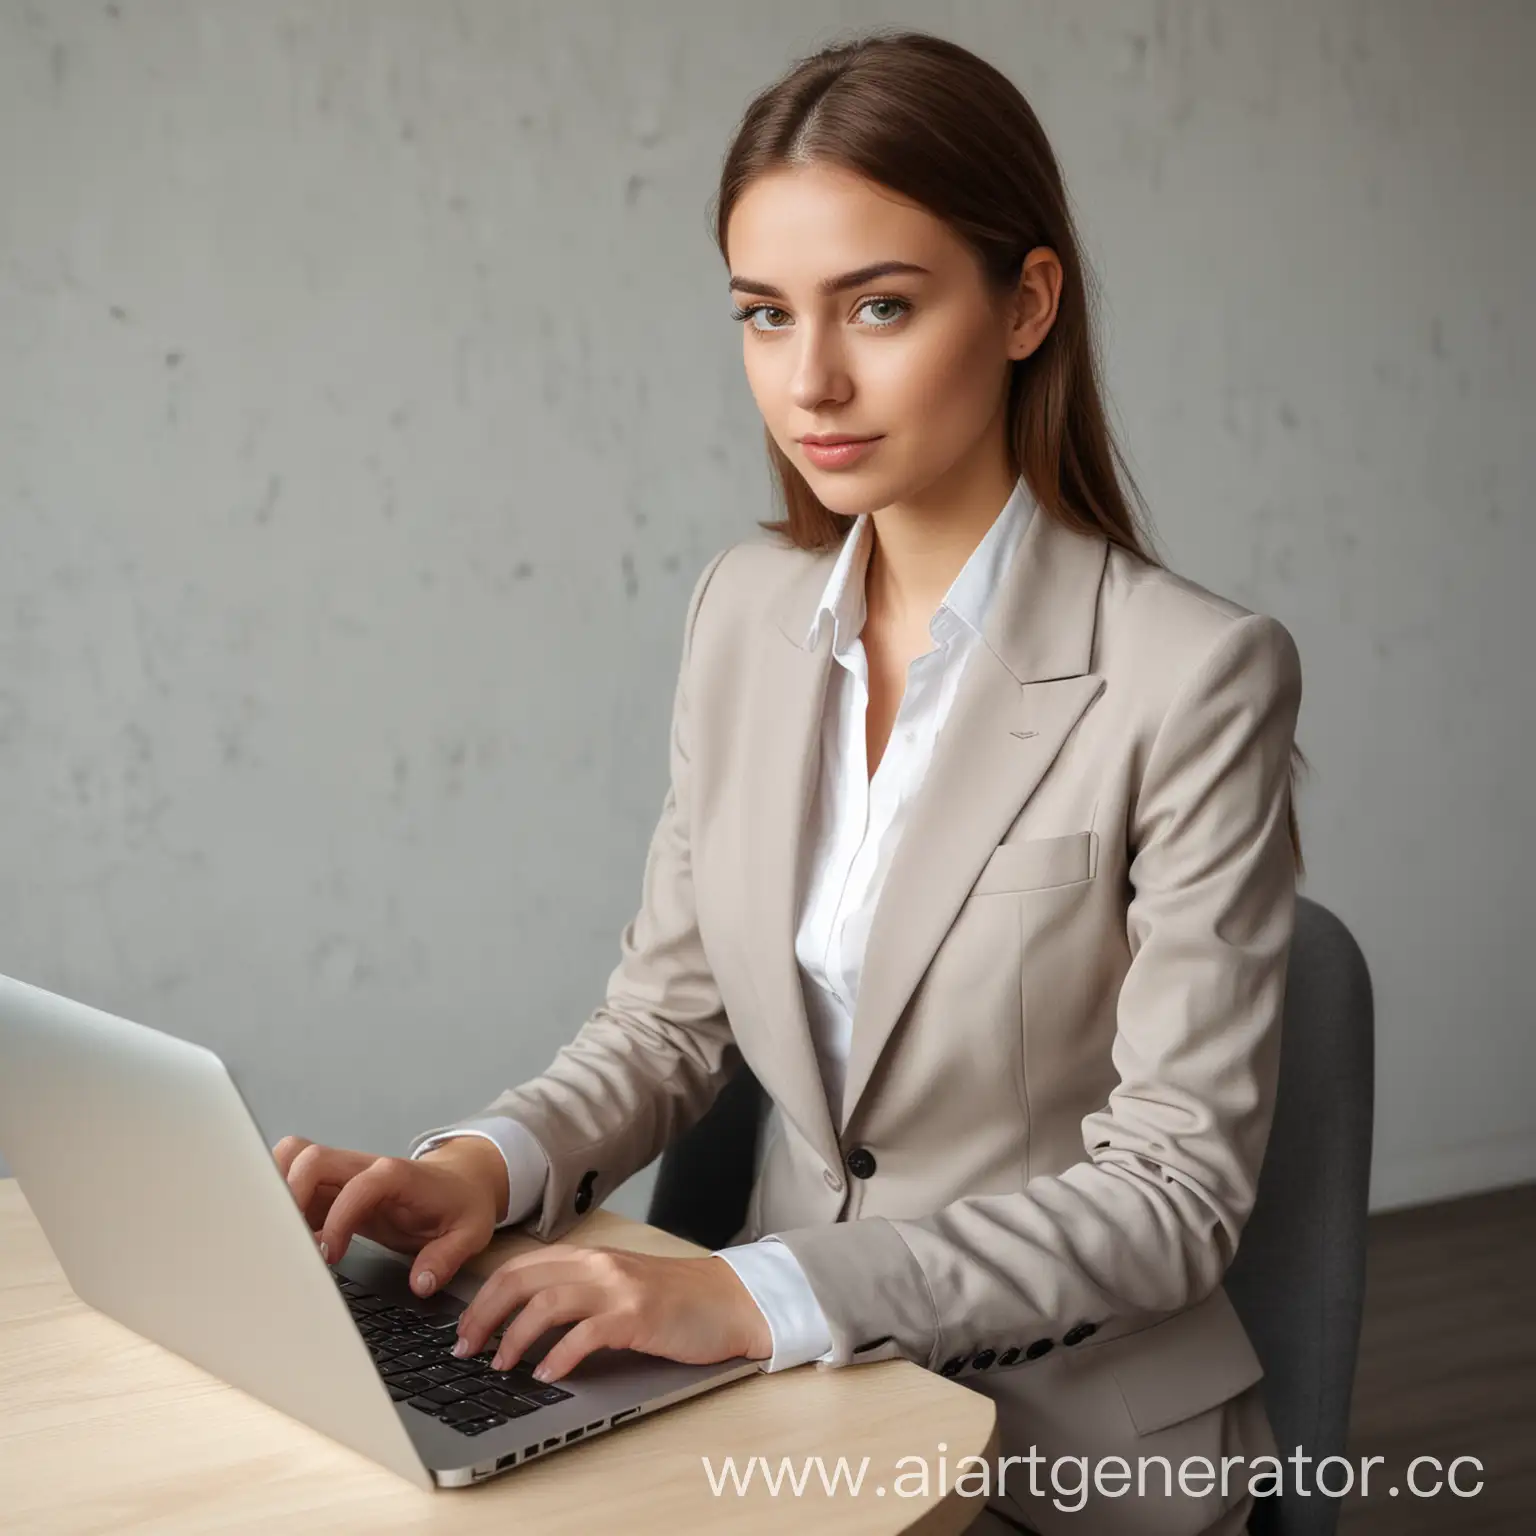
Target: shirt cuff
x,y
776,1282
527,1166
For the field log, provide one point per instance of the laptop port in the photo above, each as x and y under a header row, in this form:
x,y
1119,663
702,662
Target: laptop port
x,y
575,1434
509,1460
549,1445
591,1427
628,1413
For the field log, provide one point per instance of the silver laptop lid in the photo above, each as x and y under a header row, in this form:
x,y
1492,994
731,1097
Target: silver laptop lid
x,y
163,1204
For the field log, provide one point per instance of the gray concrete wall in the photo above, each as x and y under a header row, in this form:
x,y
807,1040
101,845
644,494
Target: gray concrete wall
x,y
369,405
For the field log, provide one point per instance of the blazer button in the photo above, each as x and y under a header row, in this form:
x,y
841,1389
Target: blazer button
x,y
861,1163
984,1359
884,1338
584,1192
953,1367
1038,1348
1008,1356
1078,1334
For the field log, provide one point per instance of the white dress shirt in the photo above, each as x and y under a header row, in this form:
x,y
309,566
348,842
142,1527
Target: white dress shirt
x,y
855,825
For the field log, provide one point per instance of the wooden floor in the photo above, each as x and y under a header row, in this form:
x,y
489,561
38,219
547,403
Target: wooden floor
x,y
1448,1365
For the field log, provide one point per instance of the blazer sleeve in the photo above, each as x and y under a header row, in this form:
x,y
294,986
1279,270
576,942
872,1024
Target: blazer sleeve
x,y
1150,1219
654,1055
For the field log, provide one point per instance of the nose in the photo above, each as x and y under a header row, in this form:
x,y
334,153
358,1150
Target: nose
x,y
820,371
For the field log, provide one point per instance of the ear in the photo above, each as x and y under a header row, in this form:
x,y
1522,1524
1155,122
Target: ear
x,y
1035,301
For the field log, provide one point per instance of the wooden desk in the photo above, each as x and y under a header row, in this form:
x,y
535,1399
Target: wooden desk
x,y
102,1431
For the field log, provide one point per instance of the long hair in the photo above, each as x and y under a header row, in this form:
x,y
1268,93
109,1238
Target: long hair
x,y
934,123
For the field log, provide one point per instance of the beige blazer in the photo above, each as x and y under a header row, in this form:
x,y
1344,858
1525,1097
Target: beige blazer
x,y
1064,1053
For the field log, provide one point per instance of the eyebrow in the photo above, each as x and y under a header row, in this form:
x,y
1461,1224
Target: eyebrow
x,y
830,285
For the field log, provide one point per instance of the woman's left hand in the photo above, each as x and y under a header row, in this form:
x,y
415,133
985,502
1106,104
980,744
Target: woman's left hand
x,y
693,1310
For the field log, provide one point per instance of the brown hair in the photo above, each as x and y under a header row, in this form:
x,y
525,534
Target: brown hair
x,y
934,123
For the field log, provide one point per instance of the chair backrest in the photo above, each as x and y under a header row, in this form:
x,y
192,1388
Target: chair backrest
x,y
704,1179
1298,1280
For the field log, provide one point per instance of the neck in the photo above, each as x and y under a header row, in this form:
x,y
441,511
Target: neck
x,y
921,544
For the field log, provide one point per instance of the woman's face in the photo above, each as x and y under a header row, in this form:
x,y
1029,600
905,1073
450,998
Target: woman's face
x,y
918,359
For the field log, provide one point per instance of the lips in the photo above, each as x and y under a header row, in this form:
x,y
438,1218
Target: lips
x,y
838,455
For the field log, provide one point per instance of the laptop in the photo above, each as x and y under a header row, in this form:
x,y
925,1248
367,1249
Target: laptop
x,y
165,1207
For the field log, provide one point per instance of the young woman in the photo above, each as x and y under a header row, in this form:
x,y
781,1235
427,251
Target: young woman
x,y
979,846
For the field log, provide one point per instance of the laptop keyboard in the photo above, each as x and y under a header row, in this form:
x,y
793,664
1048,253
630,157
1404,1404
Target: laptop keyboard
x,y
413,1352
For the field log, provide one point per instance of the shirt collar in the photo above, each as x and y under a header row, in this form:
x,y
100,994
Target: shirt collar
x,y
969,596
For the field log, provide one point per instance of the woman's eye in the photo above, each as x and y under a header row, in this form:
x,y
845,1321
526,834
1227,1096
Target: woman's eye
x,y
752,310
901,305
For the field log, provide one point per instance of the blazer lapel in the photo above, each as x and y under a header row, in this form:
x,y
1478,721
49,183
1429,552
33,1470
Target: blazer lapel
x,y
1021,693
1019,697
787,690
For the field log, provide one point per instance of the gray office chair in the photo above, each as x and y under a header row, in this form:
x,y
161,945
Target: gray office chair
x,y
1298,1281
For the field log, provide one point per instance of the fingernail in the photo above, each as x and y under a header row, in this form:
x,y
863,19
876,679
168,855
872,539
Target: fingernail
x,y
325,1251
425,1281
542,1372
461,1348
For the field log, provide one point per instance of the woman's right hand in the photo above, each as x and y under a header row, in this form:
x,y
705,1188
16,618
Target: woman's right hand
x,y
440,1207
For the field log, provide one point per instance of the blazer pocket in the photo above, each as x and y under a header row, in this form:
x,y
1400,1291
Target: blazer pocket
x,y
1186,1365
1036,862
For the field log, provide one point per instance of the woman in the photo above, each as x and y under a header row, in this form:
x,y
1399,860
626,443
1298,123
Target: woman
x,y
979,846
